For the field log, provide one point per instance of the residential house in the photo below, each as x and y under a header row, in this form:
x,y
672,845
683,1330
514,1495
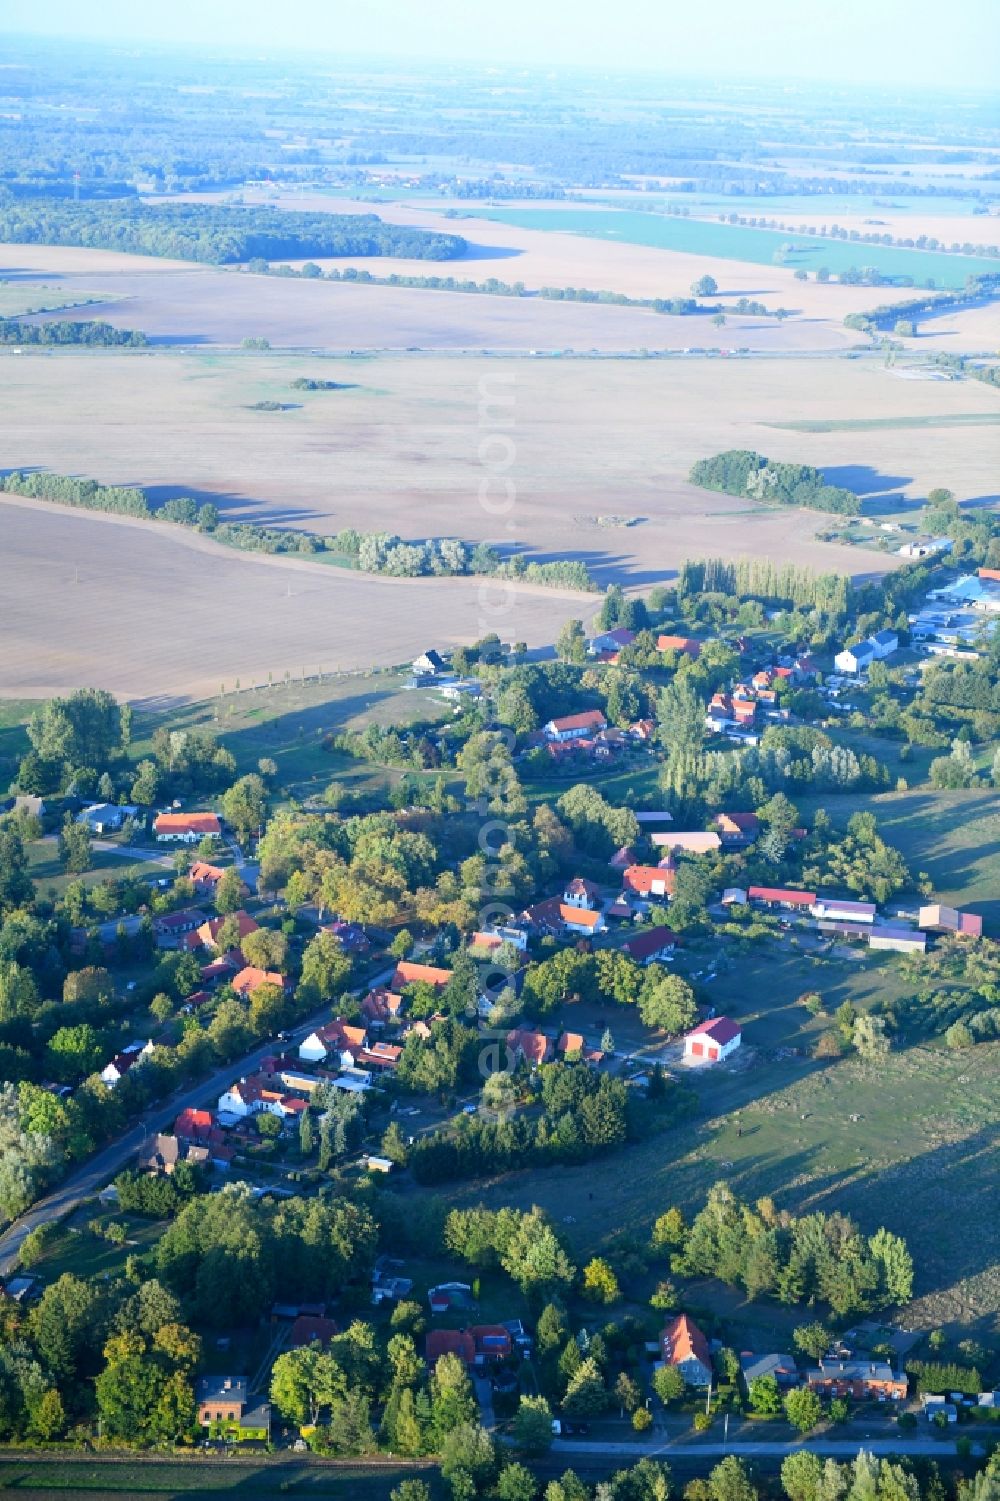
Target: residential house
x,y
409,973
781,1367
350,935
429,665
534,1047
685,644
622,858
205,877
650,945
335,1036
683,1346
383,1057
166,1150
610,643
185,828
650,880
490,939
207,934
643,730
449,1342
737,829
250,978
172,927
573,1044
712,1041
939,919
194,1125
855,659
28,802
837,911
575,726
859,1379
582,893
136,1052
382,1007
312,1329
106,818
781,896
582,920
696,842
734,896
544,917
224,1405
934,1404
885,643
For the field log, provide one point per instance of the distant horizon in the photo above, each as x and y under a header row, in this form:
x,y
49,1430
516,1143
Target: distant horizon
x,y
897,46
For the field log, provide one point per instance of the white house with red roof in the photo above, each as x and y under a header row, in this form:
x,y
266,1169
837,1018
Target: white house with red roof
x,y
185,828
582,893
581,920
575,726
712,1041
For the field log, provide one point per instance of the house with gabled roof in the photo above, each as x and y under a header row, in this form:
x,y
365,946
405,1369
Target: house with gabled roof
x,y
410,973
650,944
690,842
335,1037
712,1041
686,644
185,828
207,935
781,896
580,892
382,1007
683,1346
737,829
649,880
575,726
534,1047
205,877
940,919
250,978
582,920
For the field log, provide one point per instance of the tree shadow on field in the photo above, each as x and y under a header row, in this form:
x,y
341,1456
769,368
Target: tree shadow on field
x,y
605,567
477,252
862,479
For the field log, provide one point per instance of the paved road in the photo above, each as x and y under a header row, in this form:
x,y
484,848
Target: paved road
x,y
846,1448
99,1170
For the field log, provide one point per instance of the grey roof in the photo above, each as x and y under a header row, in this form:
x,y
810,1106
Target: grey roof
x,y
782,1367
884,637
222,1389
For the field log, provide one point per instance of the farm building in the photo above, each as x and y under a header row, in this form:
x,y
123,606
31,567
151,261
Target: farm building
x,y
649,880
898,940
939,919
695,842
686,644
651,944
712,1041
837,911
781,896
575,726
185,828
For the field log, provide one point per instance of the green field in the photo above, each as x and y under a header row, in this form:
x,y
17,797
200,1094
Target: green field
x,y
18,298
876,424
733,242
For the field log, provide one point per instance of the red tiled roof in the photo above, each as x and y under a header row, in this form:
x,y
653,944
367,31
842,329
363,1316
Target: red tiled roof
x,y
679,643
203,874
186,823
570,1042
640,878
194,1123
251,978
592,719
408,973
450,1342
308,1328
579,917
682,1340
535,1046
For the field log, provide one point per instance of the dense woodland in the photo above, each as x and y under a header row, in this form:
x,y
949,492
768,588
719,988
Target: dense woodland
x,y
755,477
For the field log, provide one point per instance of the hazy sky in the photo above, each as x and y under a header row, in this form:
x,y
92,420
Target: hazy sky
x,y
895,42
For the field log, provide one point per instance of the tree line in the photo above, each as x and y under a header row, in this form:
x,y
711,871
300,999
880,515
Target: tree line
x,y
66,331
753,476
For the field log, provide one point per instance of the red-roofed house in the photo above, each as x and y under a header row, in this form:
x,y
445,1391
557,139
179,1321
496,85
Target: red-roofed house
x,y
711,1041
194,1125
575,726
695,842
649,880
780,896
337,1036
571,1043
679,643
207,935
622,858
251,978
309,1329
651,944
450,1342
381,1007
205,877
737,828
581,893
581,920
611,641
533,1047
683,1346
187,828
408,973
381,1055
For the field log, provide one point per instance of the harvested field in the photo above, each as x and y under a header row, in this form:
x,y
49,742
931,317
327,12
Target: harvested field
x,y
212,306
153,612
400,450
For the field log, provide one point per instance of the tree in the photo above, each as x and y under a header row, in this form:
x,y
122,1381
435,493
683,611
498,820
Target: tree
x,y
680,716
515,1483
600,1285
229,892
764,1395
812,1339
305,1380
729,1481
265,948
669,1230
803,1409
870,1039
668,1004
15,884
668,1384
801,1474
325,971
74,846
146,784
627,1392
74,1052
896,1266
410,1490
244,805
607,1042
48,1419
468,1447
705,286
719,320
586,1395
571,643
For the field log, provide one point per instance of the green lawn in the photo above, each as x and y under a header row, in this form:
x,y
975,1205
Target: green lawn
x,y
76,1249
48,874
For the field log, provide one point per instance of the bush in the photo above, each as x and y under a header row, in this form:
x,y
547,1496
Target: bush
x,y
702,1422
642,1419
